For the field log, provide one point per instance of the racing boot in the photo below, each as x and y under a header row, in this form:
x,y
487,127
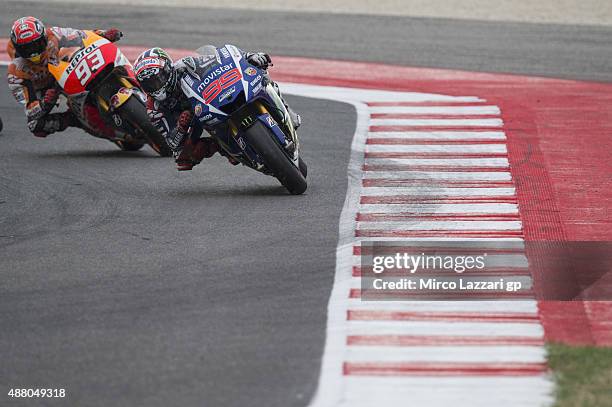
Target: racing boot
x,y
193,153
204,148
54,122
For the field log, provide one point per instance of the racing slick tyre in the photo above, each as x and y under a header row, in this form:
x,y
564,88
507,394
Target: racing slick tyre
x,y
136,113
275,159
303,167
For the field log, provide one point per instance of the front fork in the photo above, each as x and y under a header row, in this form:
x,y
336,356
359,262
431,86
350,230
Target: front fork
x,y
285,120
109,104
276,119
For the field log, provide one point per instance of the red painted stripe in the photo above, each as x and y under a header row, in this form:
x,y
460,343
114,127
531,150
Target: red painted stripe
x,y
516,317
432,128
441,168
392,182
431,116
424,140
372,294
366,271
439,233
405,199
442,369
433,155
441,340
384,217
428,104
358,250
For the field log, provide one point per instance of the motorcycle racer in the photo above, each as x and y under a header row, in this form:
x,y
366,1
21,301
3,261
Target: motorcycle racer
x,y
170,110
31,47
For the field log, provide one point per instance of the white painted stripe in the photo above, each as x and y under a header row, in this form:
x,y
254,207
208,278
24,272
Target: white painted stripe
x,y
438,239
439,135
447,162
437,148
426,225
439,391
434,191
475,354
355,95
441,110
501,208
441,175
529,306
442,328
438,122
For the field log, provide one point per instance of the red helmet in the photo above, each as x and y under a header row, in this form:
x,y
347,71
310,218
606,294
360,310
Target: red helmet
x,y
29,38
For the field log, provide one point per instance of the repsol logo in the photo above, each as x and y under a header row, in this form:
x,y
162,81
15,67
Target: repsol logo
x,y
212,75
79,56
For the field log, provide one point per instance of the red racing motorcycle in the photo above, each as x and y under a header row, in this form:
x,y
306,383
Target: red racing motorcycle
x,y
100,88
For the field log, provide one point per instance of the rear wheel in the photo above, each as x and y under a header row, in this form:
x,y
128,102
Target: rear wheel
x,y
260,138
136,113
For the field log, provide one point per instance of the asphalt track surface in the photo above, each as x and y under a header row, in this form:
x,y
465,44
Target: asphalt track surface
x,y
128,283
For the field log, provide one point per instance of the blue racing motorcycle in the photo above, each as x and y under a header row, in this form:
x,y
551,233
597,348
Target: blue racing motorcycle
x,y
238,105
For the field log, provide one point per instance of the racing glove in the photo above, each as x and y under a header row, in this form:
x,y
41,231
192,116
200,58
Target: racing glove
x,y
259,59
176,137
112,34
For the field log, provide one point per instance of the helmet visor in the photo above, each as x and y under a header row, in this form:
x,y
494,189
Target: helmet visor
x,y
154,79
32,49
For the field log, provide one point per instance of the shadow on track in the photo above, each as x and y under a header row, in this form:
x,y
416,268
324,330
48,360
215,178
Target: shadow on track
x,y
222,191
106,154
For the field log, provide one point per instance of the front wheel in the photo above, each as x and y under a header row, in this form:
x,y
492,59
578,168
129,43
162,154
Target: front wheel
x,y
260,138
136,113
303,167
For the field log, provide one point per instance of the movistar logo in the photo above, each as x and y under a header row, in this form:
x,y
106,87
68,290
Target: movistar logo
x,y
213,74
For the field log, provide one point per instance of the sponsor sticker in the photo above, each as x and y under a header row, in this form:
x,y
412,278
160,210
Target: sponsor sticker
x,y
254,81
234,51
241,143
198,109
225,53
125,91
114,100
189,80
227,94
212,75
271,121
251,71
